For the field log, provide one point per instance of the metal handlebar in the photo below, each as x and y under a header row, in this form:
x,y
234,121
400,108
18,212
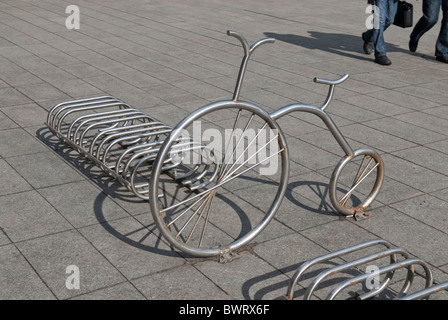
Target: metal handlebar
x,y
332,84
248,50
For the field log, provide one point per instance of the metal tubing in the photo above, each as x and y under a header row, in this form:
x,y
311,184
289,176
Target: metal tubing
x,y
247,53
300,107
50,115
427,292
391,252
392,267
306,265
164,152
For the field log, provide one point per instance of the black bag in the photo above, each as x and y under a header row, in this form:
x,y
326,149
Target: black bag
x,y
404,16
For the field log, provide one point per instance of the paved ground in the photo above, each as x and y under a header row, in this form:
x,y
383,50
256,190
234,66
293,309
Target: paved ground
x,y
169,58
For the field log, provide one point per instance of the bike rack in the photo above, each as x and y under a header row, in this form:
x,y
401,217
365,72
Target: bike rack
x,y
139,151
431,286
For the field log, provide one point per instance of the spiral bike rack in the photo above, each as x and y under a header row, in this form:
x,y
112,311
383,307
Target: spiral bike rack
x,y
197,175
376,286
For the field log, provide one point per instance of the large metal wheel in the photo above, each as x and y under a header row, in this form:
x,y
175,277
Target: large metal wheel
x,y
356,181
219,178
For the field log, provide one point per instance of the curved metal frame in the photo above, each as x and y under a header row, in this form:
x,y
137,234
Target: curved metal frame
x,y
315,261
379,166
427,292
408,263
164,151
136,140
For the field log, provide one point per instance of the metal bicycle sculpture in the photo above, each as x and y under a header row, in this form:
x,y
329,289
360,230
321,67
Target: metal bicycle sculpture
x,y
225,156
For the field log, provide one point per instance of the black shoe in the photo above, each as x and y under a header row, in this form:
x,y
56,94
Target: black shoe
x,y
383,60
413,45
442,59
368,46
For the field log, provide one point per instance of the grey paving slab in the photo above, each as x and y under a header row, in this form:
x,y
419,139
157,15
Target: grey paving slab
x,y
15,182
132,248
121,291
27,215
376,139
441,194
51,255
18,279
428,158
248,277
414,175
416,238
44,169
6,122
11,97
26,115
440,146
306,154
427,209
405,131
82,204
402,99
4,239
166,286
424,120
58,209
294,246
17,142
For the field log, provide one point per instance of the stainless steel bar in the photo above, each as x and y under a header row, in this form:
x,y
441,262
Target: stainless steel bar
x,y
392,267
427,292
351,264
336,254
248,50
300,107
62,104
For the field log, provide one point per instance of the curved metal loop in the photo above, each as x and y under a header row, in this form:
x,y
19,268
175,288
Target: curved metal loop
x,y
243,40
332,84
312,262
351,264
427,292
392,267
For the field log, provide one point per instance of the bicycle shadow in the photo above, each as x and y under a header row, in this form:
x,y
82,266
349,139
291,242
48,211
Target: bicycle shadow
x,y
146,235
346,45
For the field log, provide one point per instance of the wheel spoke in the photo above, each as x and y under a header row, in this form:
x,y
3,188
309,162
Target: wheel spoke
x,y
228,173
358,174
362,177
200,208
185,211
202,212
219,184
226,159
206,219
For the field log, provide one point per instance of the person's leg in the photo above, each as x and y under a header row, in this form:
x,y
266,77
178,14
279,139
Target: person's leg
x,y
377,34
387,10
431,9
442,40
392,7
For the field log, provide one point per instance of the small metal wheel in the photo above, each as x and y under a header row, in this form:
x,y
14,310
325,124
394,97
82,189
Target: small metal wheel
x,y
227,176
356,181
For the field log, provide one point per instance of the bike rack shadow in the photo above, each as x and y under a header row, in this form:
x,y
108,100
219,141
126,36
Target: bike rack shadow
x,y
112,189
